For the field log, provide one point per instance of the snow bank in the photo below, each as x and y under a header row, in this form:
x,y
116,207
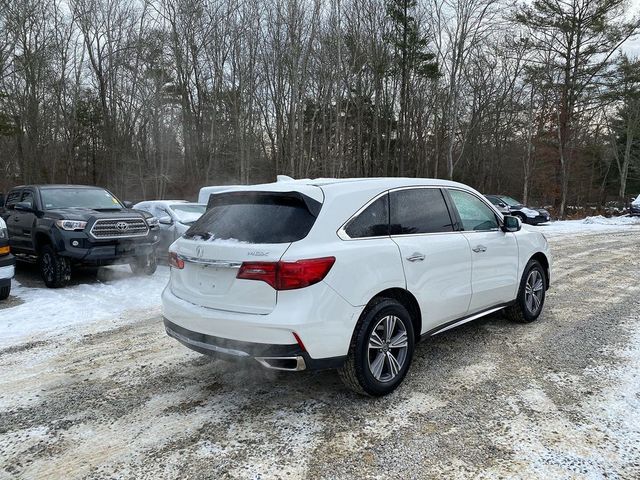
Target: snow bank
x,y
589,225
600,220
41,312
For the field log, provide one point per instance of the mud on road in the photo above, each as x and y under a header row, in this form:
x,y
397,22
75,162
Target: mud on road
x,y
559,398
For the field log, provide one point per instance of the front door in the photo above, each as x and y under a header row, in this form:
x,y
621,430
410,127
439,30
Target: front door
x,y
22,224
494,252
435,258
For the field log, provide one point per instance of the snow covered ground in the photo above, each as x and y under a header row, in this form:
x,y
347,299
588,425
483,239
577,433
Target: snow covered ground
x,y
35,312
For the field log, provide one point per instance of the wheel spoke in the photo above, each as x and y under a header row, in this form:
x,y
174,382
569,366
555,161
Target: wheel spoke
x,y
375,341
399,341
538,286
536,301
529,301
389,327
394,366
377,365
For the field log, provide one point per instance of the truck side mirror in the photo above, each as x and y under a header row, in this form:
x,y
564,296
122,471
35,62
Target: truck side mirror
x,y
127,204
24,207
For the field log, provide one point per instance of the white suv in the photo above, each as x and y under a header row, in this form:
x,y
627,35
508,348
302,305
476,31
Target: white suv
x,y
348,274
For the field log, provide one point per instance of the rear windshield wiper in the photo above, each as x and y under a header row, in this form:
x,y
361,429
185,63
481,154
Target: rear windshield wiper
x,y
198,233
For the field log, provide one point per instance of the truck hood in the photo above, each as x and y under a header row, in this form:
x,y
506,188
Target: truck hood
x,y
86,214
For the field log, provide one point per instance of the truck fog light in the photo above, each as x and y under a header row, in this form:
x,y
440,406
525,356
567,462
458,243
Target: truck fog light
x,y
75,243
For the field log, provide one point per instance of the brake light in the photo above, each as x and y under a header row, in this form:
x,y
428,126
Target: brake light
x,y
175,261
5,250
287,275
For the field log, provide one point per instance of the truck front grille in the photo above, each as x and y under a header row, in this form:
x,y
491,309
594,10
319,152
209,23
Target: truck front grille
x,y
120,228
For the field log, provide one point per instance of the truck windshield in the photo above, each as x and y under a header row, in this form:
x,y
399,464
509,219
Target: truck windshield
x,y
510,201
92,198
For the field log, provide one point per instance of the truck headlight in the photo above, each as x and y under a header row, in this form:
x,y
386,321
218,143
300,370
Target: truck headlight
x,y
153,222
3,232
71,225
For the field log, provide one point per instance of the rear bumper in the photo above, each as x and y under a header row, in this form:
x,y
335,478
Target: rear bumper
x,y
277,357
539,219
322,319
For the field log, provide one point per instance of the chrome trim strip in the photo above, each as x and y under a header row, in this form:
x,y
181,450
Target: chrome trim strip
x,y
343,234
210,263
469,319
207,346
300,364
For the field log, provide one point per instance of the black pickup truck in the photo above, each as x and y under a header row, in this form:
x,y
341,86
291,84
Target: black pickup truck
x,y
63,226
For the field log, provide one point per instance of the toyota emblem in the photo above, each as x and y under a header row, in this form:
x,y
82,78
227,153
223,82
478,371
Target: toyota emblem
x,y
122,226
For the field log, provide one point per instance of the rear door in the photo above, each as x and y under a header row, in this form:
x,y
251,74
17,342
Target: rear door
x,y
244,226
436,258
494,252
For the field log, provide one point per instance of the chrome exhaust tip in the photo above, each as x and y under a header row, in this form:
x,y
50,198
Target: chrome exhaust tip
x,y
289,364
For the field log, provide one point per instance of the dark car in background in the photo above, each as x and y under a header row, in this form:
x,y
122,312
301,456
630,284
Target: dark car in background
x,y
532,216
64,226
634,207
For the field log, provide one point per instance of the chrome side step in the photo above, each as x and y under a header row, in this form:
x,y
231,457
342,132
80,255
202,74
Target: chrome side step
x,y
468,319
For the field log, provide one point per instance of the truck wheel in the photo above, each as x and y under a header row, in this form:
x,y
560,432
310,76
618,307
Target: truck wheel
x,y
55,269
381,349
4,292
144,265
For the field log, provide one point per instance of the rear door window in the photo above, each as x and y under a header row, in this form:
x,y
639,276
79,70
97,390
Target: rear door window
x,y
256,217
373,221
419,210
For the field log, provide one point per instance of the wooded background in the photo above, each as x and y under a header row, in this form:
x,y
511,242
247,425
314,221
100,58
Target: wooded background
x,y
157,98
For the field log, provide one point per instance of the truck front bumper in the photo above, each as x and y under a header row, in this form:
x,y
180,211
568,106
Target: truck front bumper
x,y
80,248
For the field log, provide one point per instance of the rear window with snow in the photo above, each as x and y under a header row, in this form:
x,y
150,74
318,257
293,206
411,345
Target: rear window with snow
x,y
256,217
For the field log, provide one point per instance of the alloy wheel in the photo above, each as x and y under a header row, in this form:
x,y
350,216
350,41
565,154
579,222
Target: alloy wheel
x,y
47,267
388,347
534,291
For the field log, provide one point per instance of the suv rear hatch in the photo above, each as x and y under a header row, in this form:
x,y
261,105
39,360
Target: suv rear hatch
x,y
238,227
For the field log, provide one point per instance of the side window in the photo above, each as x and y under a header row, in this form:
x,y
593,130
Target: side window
x,y
12,199
27,196
475,215
419,210
372,222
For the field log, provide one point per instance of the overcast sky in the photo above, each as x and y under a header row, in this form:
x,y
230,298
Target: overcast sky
x,y
632,47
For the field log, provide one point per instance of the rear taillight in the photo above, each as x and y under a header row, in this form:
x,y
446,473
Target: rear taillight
x,y
5,250
175,261
287,275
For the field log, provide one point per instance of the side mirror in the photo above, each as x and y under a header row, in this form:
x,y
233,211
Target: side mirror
x,y
511,224
165,220
502,205
127,204
24,207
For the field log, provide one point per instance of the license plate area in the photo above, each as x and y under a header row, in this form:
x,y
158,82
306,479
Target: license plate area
x,y
213,281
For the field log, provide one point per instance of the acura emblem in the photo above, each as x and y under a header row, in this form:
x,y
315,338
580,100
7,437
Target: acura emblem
x,y
199,252
122,226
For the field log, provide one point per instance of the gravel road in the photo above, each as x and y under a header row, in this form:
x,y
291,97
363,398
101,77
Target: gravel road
x,y
559,398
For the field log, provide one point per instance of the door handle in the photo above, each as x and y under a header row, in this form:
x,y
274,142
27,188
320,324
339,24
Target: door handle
x,y
416,257
480,249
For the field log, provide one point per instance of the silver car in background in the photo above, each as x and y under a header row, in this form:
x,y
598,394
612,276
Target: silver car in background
x,y
175,218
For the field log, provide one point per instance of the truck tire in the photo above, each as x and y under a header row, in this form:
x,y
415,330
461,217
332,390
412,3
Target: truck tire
x,y
55,269
4,292
146,265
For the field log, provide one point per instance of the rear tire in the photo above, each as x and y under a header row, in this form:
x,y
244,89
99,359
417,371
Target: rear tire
x,y
4,292
144,265
530,300
381,349
55,269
